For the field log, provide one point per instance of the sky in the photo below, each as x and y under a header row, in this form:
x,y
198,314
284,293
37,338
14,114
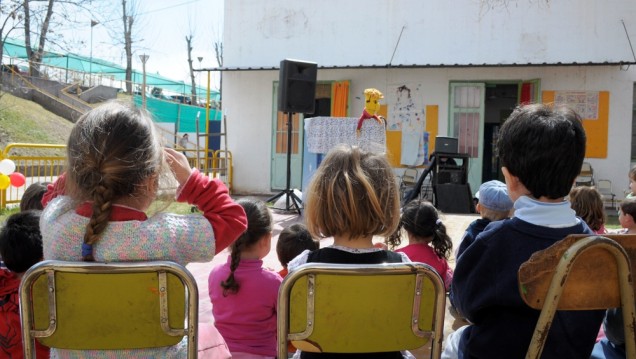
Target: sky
x,y
161,28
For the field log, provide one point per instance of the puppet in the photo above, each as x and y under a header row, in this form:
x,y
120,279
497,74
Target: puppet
x,y
371,98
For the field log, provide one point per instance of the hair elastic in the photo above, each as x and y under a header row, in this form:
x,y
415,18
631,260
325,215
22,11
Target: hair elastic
x,y
87,249
438,222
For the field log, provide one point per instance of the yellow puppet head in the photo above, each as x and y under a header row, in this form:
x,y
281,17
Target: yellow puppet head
x,y
371,100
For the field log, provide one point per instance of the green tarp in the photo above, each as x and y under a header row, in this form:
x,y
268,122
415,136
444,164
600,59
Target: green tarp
x,y
16,49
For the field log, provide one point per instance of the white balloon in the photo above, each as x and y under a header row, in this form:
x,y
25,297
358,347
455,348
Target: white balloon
x,y
7,166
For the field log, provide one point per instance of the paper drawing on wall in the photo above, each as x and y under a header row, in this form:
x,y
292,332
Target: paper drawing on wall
x,y
406,114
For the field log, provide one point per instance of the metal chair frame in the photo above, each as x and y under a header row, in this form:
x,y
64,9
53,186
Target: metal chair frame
x,y
305,293
586,294
604,186
166,285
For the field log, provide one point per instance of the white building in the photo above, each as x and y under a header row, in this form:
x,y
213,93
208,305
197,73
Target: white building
x,y
460,67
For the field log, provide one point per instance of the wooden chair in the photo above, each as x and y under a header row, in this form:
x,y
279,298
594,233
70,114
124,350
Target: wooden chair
x,y
580,273
98,306
339,308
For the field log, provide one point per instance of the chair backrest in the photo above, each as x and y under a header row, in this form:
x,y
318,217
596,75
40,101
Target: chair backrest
x,y
409,178
586,170
580,273
604,186
339,308
99,306
586,176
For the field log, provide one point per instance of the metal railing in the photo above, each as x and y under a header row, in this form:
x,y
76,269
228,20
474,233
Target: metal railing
x,y
51,162
36,168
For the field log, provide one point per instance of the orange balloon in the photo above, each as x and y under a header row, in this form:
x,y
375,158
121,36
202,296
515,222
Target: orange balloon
x,y
4,181
17,179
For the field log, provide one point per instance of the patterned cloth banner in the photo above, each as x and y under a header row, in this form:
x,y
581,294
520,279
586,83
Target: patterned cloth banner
x,y
323,133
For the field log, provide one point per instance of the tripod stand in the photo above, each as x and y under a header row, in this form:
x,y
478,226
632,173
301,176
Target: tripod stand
x,y
290,196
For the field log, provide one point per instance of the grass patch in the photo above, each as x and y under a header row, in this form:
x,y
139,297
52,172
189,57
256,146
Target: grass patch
x,y
6,212
612,223
24,121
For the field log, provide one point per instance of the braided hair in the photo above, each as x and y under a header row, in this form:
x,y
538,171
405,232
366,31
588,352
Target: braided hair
x,y
111,151
421,220
259,224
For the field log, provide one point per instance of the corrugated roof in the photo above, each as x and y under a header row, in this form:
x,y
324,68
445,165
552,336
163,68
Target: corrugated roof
x,y
417,66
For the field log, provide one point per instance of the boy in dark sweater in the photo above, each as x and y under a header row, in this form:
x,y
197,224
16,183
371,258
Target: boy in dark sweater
x,y
541,150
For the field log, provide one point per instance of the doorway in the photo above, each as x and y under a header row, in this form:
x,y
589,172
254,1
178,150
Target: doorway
x,y
476,112
499,102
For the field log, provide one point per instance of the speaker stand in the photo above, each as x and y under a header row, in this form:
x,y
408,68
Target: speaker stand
x,y
290,196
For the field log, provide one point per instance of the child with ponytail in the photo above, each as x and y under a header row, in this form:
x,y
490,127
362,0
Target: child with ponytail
x,y
96,210
243,293
428,241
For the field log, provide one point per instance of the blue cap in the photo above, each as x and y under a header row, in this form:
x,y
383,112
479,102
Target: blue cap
x,y
494,196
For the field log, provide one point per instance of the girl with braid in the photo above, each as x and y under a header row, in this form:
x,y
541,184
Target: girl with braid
x,y
96,210
243,293
428,241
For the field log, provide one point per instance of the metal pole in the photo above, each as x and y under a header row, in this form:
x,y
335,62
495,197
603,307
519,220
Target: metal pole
x,y
289,150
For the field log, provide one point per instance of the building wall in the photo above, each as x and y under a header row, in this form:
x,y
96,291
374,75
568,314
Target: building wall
x,y
249,106
437,32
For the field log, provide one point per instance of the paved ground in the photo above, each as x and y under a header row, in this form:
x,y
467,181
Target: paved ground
x,y
455,224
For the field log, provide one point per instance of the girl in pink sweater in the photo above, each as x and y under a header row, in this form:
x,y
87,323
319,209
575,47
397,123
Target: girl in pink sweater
x,y
243,293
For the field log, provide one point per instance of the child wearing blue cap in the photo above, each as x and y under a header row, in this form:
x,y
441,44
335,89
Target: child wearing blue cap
x,y
494,205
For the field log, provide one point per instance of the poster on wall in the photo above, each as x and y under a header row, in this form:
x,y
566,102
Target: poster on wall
x,y
585,103
406,114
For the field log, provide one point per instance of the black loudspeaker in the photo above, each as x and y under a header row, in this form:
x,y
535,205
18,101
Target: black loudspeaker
x,y
454,198
454,176
297,86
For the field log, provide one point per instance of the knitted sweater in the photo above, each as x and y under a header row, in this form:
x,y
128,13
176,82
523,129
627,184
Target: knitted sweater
x,y
131,236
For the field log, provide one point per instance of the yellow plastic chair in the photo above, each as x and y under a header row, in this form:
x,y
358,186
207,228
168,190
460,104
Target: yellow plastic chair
x,y
98,306
339,308
580,273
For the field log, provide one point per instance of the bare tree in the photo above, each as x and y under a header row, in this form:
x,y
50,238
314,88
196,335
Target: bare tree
x,y
40,18
35,57
188,39
218,53
128,19
10,18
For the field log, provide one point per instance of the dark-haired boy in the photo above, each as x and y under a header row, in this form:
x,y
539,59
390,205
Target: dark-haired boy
x,y
20,248
627,215
292,241
541,150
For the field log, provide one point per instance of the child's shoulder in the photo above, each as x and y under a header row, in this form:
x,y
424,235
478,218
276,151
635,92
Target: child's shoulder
x,y
271,275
